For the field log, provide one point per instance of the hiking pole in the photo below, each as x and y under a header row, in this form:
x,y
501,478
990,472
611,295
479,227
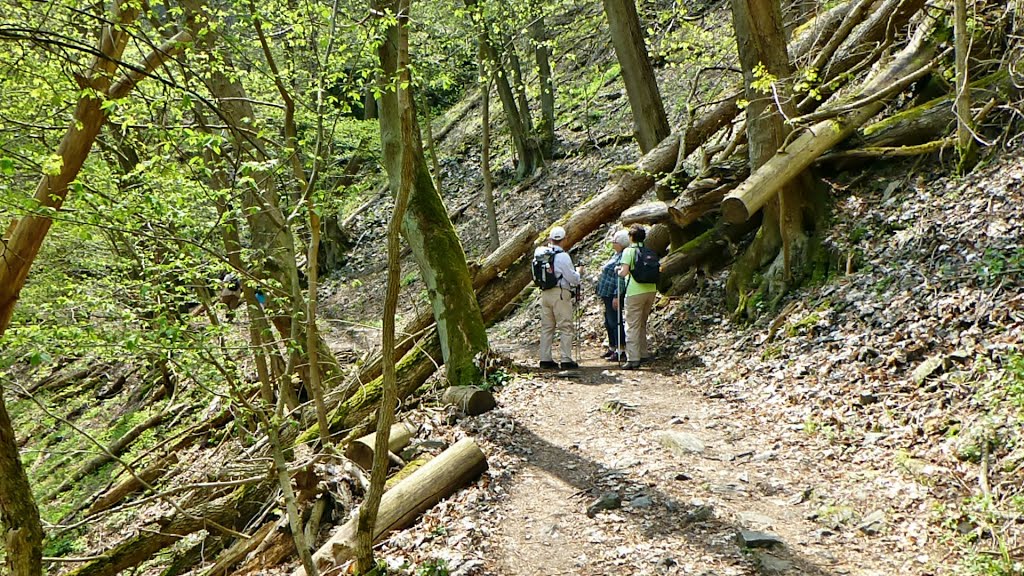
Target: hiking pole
x,y
578,323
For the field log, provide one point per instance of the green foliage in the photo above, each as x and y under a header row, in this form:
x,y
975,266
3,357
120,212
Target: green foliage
x,y
1015,379
433,567
763,79
497,379
997,263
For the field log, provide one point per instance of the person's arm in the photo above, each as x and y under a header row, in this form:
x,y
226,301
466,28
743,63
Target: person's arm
x,y
565,269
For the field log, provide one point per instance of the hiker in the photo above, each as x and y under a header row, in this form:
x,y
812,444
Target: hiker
x,y
612,290
555,273
639,301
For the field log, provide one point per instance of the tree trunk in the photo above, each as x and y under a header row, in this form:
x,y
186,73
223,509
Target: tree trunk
x,y
546,126
434,242
437,479
762,53
649,117
396,65
964,129
518,86
493,239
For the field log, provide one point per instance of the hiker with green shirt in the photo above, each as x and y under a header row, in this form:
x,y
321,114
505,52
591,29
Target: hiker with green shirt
x,y
639,301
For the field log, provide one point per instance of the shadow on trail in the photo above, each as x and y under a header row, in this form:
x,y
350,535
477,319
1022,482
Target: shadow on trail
x,y
663,515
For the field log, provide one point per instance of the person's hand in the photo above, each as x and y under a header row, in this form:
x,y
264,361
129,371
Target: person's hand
x,y
615,304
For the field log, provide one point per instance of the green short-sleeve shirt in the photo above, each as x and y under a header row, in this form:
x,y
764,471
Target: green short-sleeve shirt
x,y
633,287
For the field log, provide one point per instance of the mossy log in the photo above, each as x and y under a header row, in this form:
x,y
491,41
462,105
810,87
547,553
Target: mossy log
x,y
932,120
440,477
471,400
712,249
234,511
762,185
360,450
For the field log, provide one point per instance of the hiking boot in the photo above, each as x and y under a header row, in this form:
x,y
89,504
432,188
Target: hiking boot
x,y
548,364
631,366
570,365
609,354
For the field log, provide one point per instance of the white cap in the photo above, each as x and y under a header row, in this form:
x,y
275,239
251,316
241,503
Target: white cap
x,y
621,238
557,233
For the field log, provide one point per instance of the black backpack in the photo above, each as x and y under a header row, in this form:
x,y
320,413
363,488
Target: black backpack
x,y
646,267
544,268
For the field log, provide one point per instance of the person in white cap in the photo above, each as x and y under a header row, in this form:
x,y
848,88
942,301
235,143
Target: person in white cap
x,y
556,305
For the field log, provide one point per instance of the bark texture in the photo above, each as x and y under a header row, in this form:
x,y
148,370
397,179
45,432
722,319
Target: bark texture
x,y
649,117
434,242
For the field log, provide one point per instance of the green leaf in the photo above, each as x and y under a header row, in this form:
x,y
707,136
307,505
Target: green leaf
x,y
53,164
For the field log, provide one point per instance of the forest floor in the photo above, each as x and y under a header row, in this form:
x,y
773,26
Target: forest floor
x,y
871,426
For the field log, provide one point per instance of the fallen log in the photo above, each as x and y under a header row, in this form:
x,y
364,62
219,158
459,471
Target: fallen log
x,y
933,119
437,479
471,400
712,248
650,213
241,548
232,511
360,450
740,204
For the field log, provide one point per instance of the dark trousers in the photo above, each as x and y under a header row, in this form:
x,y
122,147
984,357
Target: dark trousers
x,y
616,329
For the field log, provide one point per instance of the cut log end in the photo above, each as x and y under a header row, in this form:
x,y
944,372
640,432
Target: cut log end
x,y
470,399
734,210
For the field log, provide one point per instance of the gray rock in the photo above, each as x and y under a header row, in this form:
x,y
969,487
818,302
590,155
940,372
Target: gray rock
x,y
754,539
770,565
641,502
927,368
755,521
681,443
872,523
607,501
699,514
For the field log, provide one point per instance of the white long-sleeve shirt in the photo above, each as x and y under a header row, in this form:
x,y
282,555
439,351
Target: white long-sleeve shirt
x,y
565,271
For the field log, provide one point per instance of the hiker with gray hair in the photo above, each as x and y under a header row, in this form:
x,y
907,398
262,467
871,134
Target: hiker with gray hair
x,y
555,274
612,290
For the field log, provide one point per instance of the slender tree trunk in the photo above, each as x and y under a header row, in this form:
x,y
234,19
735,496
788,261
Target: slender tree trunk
x,y
517,83
389,400
493,240
434,242
546,126
526,148
649,117
429,121
964,130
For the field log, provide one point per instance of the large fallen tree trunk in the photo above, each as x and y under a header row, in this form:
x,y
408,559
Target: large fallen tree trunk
x,y
435,480
794,158
232,511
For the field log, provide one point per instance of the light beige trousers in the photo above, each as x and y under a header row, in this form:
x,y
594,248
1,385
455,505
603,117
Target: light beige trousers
x,y
556,316
638,309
